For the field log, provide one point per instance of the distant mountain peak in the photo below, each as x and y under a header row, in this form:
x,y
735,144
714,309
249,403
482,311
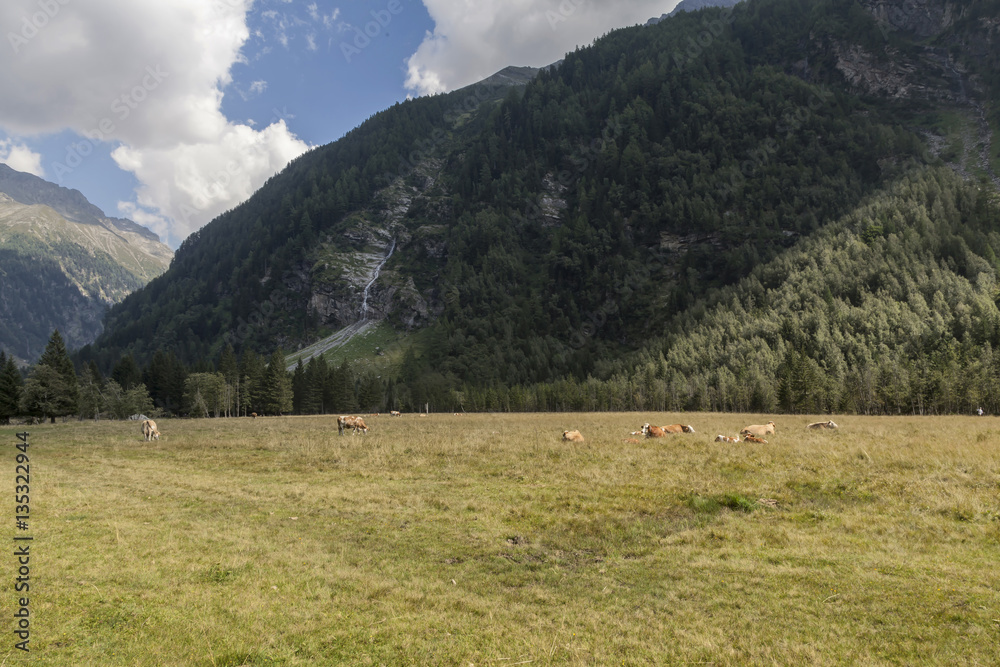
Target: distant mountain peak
x,y
29,189
693,6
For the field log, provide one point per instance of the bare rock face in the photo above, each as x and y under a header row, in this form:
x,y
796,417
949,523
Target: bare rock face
x,y
922,18
890,78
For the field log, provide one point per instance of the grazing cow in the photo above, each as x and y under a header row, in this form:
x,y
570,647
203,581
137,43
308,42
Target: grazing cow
x,y
653,431
753,438
726,438
254,415
759,430
356,423
572,436
395,413
826,424
149,430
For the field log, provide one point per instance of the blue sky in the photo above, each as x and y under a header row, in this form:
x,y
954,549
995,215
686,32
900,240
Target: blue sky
x,y
170,113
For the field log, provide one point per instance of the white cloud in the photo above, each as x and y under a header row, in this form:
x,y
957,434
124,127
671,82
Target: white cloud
x,y
473,39
258,87
150,77
192,183
21,158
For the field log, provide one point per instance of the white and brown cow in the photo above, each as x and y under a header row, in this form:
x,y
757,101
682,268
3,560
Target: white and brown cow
x,y
651,431
726,438
355,423
827,424
149,430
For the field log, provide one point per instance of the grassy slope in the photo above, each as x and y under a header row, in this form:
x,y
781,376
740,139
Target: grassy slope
x,y
486,540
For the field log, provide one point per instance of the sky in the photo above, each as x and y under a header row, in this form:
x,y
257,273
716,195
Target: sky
x,y
170,113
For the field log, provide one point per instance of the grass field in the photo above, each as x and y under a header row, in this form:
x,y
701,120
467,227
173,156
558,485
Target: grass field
x,y
485,540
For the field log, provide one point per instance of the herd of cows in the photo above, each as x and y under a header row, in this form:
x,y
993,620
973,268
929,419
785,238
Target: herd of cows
x,y
752,433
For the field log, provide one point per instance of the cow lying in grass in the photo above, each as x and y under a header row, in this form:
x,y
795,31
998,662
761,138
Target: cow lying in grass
x,y
759,430
355,423
149,430
826,424
660,431
572,436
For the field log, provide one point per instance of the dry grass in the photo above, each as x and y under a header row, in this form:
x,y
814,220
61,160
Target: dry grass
x,y
485,540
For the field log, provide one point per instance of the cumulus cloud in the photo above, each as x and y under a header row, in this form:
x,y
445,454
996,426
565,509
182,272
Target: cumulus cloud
x,y
185,185
149,77
21,158
473,39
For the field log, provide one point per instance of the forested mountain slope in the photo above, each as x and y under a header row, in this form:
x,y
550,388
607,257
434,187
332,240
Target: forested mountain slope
x,y
549,232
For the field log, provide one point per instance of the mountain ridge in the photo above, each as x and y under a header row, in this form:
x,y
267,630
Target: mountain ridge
x,y
64,262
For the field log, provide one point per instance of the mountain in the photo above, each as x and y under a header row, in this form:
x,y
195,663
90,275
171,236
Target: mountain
x,y
549,241
693,6
63,263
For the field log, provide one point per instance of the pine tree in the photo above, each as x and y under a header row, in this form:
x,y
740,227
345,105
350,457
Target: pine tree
x,y
251,377
276,393
10,388
52,390
126,372
299,388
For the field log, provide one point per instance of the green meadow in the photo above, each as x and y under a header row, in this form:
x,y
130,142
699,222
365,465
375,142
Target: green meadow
x,y
486,540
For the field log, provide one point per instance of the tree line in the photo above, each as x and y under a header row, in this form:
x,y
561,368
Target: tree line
x,y
232,386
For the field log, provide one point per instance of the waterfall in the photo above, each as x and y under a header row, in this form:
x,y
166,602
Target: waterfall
x,y
364,294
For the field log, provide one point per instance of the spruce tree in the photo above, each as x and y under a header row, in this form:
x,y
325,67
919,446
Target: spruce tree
x,y
10,388
276,393
52,390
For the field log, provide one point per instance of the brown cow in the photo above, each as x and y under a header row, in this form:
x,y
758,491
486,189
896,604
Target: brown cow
x,y
759,430
149,430
572,436
254,415
356,423
753,438
631,441
826,424
678,428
